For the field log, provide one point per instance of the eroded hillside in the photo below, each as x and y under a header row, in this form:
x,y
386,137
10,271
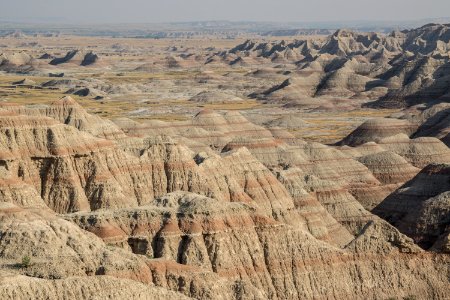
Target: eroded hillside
x,y
313,167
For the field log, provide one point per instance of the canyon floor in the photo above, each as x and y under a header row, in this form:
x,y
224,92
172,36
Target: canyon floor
x,y
253,167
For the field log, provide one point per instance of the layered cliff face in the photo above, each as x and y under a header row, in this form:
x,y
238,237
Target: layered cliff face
x,y
396,158
419,151
66,261
67,111
344,177
237,243
60,249
243,215
389,167
385,148
73,171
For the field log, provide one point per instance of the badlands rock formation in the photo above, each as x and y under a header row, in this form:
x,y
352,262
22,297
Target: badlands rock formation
x,y
16,62
76,57
420,208
397,70
25,63
434,121
215,207
214,97
392,152
375,130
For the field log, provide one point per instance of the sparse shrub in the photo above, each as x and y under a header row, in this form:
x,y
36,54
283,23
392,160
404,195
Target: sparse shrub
x,y
410,297
26,261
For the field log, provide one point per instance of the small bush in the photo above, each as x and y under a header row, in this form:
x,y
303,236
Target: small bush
x,y
26,261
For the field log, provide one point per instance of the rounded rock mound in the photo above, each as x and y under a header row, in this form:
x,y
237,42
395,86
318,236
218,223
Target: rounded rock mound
x,y
214,97
374,130
389,167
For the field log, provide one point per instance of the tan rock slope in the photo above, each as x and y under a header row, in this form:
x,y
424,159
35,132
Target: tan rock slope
x,y
384,146
236,213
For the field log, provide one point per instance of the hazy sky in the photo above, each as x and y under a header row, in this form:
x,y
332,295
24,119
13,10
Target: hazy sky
x,y
144,11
